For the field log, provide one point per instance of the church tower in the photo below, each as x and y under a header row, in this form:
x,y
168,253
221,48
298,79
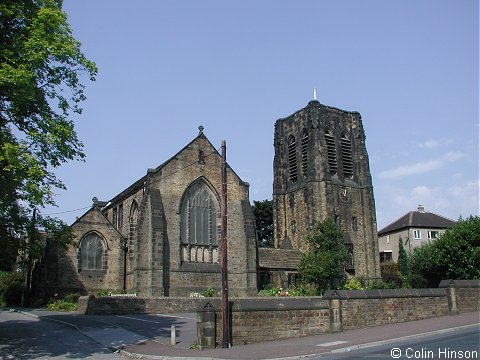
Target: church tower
x,y
321,170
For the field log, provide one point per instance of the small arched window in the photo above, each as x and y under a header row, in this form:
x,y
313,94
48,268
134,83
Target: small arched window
x,y
91,252
331,151
347,158
292,159
304,145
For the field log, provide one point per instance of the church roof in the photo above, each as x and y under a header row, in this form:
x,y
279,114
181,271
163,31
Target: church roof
x,y
137,185
418,219
279,258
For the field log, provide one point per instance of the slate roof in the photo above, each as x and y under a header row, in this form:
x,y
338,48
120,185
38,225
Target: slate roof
x,y
418,219
279,258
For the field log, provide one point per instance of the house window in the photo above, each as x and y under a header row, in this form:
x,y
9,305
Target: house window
x,y
347,159
331,151
292,159
432,234
417,234
304,144
91,252
385,256
199,211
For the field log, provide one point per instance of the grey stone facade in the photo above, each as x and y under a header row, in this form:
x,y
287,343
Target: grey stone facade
x,y
144,225
321,170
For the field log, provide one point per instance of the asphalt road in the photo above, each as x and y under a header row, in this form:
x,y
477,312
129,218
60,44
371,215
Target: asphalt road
x,y
25,337
458,344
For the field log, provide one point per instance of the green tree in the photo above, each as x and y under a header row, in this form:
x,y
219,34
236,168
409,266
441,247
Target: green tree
x,y
324,262
402,258
41,66
263,212
455,255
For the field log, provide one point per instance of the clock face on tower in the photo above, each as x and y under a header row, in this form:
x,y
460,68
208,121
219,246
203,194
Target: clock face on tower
x,y
344,195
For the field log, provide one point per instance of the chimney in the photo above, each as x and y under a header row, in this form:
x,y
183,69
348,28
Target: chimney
x,y
421,208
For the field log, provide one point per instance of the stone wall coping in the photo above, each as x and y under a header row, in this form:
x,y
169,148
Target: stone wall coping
x,y
383,293
475,283
286,303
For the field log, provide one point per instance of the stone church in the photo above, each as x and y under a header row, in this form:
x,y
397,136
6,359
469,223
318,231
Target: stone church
x,y
160,236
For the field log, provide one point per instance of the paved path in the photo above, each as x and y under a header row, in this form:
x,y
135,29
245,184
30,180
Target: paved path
x,y
148,336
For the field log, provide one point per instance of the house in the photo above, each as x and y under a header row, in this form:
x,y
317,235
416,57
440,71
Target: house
x,y
414,228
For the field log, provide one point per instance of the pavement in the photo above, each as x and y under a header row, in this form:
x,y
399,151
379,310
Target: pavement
x,y
119,335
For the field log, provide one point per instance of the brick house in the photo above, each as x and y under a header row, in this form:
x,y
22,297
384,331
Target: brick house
x,y
414,228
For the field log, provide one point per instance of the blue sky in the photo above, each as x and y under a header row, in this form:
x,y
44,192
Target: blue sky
x,y
411,68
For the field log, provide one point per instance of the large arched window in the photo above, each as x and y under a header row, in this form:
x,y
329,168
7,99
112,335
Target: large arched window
x,y
331,151
91,252
199,211
292,159
132,219
347,158
304,140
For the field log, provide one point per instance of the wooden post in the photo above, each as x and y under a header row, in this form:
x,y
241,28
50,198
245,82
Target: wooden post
x,y
223,235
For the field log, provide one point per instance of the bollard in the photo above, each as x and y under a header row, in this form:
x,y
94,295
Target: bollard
x,y
172,335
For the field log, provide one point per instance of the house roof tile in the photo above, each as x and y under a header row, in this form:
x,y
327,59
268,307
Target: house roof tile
x,y
417,219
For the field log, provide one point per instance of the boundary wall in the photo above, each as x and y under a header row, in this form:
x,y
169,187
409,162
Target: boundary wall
x,y
261,319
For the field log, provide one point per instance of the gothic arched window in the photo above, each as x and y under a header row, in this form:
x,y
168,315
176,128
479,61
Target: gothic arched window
x,y
199,211
91,252
347,158
132,219
292,159
304,145
331,151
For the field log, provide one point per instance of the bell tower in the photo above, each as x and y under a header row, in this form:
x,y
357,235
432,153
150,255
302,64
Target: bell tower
x,y
321,170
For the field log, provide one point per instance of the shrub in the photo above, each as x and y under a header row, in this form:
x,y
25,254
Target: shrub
x,y
353,284
391,274
11,285
68,303
211,292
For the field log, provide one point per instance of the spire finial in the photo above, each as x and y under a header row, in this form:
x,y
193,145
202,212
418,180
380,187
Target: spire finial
x,y
314,94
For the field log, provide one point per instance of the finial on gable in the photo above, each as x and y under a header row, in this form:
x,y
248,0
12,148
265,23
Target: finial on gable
x,y
200,130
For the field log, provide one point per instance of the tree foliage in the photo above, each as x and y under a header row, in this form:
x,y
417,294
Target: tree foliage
x,y
324,262
41,66
263,212
455,255
402,258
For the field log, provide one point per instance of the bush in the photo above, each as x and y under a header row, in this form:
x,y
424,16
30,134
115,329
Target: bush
x,y
295,291
11,285
391,274
211,292
353,284
68,303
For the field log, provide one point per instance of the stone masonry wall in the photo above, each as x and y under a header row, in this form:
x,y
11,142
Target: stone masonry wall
x,y
264,319
468,299
259,320
364,308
